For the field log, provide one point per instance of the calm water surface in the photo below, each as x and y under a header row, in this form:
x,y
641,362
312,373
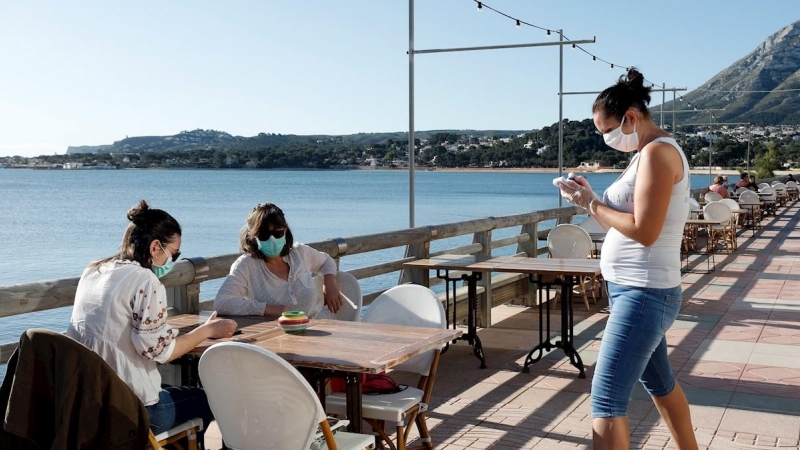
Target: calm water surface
x,y
54,222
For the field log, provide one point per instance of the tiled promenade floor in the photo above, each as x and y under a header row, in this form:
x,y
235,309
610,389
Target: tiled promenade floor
x,y
735,349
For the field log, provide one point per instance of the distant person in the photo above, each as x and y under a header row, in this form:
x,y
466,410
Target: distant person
x,y
789,178
719,187
120,312
642,268
274,273
751,183
744,180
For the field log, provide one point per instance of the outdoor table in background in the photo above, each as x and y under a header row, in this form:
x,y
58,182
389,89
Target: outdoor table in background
x,y
690,232
443,264
328,348
546,273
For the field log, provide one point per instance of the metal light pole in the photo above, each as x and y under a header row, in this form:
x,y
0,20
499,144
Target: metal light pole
x,y
411,113
411,52
560,110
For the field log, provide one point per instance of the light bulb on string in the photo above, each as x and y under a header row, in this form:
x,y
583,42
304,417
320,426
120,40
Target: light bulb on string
x,y
548,32
594,58
518,24
480,6
612,66
574,46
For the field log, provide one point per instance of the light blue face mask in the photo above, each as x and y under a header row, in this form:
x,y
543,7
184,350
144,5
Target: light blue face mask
x,y
272,246
162,271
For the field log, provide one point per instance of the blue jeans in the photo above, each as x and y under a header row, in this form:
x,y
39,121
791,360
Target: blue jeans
x,y
177,404
634,347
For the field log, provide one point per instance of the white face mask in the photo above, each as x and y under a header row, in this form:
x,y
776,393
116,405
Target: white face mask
x,y
618,140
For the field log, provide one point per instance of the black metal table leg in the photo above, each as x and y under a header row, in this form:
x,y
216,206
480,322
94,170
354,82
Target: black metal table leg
x,y
354,403
471,336
567,324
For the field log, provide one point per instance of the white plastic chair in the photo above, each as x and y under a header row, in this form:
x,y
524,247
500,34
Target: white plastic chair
x,y
769,199
791,189
720,213
261,402
740,190
763,185
780,192
351,290
693,205
712,196
774,182
412,305
752,202
571,241
733,205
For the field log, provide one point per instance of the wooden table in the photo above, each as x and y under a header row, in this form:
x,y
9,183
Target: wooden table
x,y
539,271
329,348
443,265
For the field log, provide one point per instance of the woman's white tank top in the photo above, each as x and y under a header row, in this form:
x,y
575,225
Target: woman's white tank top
x,y
627,262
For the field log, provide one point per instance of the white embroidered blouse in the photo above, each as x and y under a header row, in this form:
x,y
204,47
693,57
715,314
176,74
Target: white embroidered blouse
x,y
120,312
250,286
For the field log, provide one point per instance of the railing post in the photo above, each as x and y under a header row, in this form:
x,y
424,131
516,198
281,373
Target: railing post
x,y
485,239
191,291
530,248
419,251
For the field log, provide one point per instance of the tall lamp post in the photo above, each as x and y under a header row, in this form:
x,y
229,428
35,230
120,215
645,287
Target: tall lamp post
x,y
412,52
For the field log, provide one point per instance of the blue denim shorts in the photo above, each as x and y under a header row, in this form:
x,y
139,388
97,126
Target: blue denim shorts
x,y
634,347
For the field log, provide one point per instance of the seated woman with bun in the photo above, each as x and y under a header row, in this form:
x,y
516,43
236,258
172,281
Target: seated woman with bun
x,y
120,312
274,273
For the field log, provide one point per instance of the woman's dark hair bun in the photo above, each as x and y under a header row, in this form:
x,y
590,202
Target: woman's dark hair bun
x,y
136,214
633,78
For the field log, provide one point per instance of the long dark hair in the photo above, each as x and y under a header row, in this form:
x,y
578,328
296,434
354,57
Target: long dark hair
x,y
628,92
146,226
258,222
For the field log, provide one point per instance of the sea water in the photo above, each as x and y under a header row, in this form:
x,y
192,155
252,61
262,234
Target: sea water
x,y
54,222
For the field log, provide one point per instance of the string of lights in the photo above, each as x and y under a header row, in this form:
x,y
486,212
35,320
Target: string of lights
x,y
519,22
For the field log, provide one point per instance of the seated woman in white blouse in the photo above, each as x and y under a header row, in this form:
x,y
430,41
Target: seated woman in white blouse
x,y
274,273
120,312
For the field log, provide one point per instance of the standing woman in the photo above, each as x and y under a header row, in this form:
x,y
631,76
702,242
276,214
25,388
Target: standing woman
x,y
640,262
121,313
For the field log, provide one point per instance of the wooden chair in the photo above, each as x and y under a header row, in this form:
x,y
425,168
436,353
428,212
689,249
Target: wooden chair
x,y
261,402
412,305
187,430
572,241
719,212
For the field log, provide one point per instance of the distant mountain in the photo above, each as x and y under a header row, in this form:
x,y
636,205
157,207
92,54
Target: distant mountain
x,y
86,149
770,68
220,140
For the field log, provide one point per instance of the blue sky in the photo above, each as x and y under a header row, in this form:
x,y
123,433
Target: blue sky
x,y
92,72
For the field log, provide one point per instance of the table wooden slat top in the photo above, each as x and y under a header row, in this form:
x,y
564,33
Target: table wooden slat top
x,y
331,344
542,266
514,264
705,222
448,262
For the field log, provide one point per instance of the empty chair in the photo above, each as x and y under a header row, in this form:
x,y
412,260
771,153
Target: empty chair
x,y
694,205
261,402
351,290
740,190
763,185
780,193
721,213
412,305
791,190
571,241
769,198
774,183
712,197
735,216
752,203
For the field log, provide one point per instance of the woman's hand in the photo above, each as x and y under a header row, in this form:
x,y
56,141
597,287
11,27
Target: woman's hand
x,y
578,191
219,328
332,297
